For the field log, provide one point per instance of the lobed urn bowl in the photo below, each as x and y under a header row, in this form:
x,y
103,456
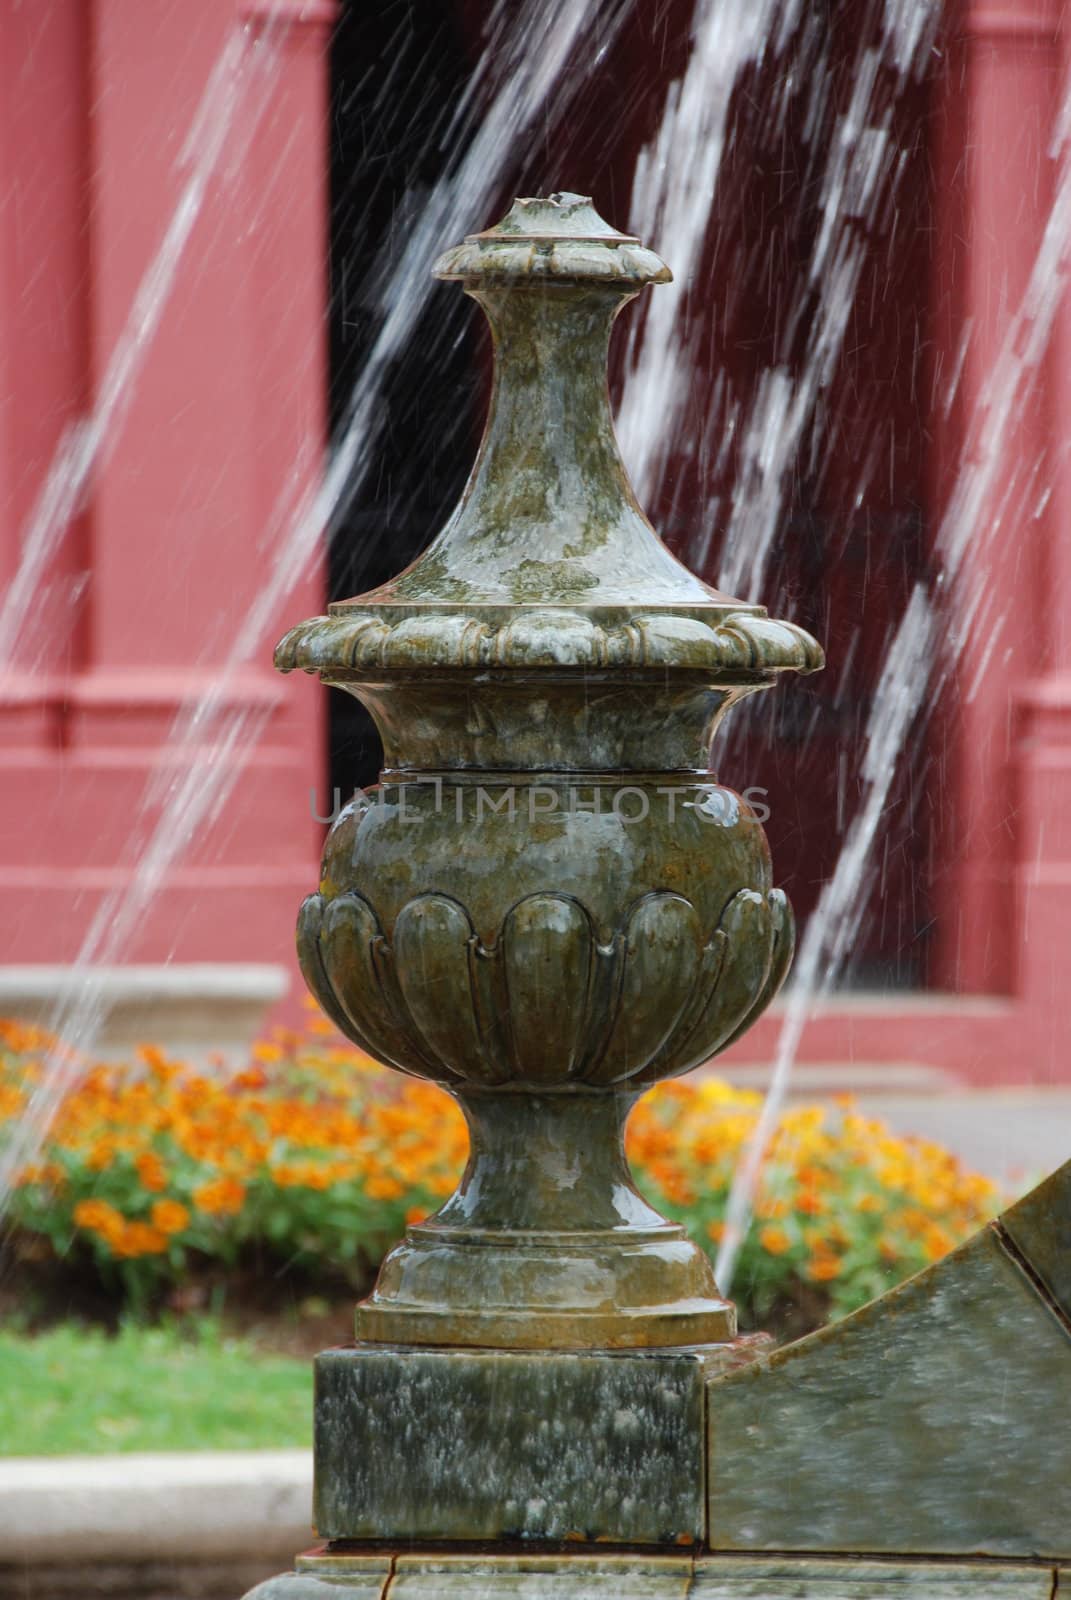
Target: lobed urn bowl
x,y
548,904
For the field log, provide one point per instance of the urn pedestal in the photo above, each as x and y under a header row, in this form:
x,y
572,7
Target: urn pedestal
x,y
548,905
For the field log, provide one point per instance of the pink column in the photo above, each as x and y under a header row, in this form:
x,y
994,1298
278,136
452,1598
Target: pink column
x,y
994,192
43,347
1043,750
224,427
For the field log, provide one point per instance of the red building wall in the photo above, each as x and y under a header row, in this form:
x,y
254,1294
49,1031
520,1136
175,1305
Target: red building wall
x,y
139,607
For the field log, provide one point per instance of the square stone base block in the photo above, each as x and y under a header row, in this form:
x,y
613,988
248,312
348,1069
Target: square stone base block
x,y
501,1445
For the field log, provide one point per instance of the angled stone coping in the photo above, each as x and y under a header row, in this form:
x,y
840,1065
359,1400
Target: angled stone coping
x,y
934,1420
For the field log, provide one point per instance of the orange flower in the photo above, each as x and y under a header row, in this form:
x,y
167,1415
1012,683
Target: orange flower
x,y
98,1217
811,1177
384,1188
101,1156
220,1197
151,1171
250,1078
140,1239
936,1242
153,1057
821,1268
810,1204
775,1241
11,1101
170,1216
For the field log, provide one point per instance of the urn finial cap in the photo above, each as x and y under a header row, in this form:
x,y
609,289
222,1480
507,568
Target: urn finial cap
x,y
557,236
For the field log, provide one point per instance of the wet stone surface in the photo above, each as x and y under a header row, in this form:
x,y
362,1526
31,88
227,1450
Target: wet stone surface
x,y
619,1576
546,1578
931,1421
801,1579
439,1444
1039,1228
363,1579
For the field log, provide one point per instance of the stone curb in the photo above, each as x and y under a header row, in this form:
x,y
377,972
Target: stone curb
x,y
200,1506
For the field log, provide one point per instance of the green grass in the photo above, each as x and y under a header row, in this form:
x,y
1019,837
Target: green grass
x,y
75,1391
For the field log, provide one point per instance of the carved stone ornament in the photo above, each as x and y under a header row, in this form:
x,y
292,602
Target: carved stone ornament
x,y
549,903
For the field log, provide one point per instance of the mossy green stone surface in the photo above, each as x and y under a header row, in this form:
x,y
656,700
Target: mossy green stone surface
x,y
1039,1228
514,1445
933,1420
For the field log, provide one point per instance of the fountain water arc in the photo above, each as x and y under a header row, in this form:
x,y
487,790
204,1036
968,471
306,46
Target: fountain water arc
x,y
521,75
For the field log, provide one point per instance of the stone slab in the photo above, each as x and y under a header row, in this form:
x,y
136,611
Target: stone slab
x,y
933,1421
785,1576
611,1576
365,1579
540,1578
483,1444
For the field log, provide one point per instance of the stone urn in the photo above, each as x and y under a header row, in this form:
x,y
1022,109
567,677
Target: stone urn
x,y
548,904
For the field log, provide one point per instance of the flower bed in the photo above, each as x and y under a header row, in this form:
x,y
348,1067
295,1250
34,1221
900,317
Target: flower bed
x,y
314,1157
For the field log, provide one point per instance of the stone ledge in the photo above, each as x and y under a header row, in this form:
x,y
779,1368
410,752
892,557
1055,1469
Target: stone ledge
x,y
197,1507
195,1009
408,1575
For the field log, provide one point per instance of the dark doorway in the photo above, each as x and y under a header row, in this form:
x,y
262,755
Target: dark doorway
x,y
398,71
852,537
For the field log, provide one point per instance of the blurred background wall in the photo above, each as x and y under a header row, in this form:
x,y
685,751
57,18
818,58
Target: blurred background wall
x,y
271,313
